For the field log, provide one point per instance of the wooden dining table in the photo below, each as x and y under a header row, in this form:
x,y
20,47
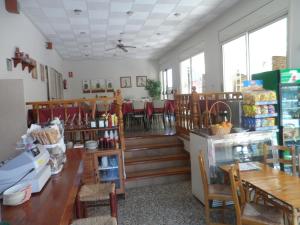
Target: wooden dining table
x,y
275,183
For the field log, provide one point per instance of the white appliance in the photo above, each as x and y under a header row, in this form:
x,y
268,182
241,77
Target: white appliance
x,y
29,166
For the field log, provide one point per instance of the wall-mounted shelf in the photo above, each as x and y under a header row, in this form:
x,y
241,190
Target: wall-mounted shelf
x,y
23,59
24,64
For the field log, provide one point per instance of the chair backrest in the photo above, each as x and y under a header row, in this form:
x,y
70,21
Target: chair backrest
x,y
237,188
138,104
274,160
203,176
158,104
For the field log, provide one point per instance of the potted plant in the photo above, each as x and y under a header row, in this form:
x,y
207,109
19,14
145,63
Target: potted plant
x,y
154,88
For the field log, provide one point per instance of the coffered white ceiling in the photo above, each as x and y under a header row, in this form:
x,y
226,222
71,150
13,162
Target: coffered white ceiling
x,y
154,26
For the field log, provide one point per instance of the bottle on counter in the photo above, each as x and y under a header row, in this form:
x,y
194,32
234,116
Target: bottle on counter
x,y
116,120
116,139
109,118
105,140
112,139
101,142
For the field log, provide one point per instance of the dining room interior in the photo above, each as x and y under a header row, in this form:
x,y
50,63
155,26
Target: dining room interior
x,y
142,112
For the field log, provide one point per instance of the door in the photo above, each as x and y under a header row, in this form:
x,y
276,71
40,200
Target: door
x,y
290,117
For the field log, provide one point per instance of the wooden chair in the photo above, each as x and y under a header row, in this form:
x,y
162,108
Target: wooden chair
x,y
96,192
158,112
99,220
279,148
213,191
139,115
251,213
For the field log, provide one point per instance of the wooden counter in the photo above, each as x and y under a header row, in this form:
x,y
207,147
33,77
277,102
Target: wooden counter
x,y
54,205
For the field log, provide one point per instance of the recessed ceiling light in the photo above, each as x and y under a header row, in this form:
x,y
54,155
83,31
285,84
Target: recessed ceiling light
x,y
122,33
86,55
77,11
158,34
129,13
177,14
82,32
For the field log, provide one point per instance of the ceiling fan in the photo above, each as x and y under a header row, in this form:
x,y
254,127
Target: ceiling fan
x,y
121,46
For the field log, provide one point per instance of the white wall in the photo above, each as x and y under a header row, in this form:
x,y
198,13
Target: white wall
x,y
18,31
294,35
111,69
244,16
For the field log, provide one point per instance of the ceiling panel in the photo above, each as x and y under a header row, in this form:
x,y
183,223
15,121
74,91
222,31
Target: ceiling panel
x,y
153,26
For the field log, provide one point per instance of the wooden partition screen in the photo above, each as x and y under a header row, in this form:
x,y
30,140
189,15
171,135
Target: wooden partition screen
x,y
47,110
192,109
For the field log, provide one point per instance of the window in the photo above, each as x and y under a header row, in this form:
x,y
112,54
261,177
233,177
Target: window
x,y
234,64
192,71
265,43
166,79
253,53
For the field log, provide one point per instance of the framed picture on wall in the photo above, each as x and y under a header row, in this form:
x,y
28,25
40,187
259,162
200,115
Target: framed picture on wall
x,y
109,84
141,81
98,84
86,85
125,82
34,72
9,64
42,72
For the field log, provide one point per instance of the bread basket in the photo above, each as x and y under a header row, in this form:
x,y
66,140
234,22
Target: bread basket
x,y
215,128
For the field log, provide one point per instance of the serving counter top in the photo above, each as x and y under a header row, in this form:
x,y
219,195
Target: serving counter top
x,y
204,132
54,204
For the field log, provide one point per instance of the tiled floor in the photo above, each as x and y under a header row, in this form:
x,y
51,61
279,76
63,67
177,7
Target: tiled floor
x,y
169,204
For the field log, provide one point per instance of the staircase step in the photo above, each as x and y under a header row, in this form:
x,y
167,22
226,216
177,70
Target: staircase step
x,y
157,173
155,159
151,139
151,146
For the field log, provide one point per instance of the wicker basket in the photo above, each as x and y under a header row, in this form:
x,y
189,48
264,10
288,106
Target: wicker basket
x,y
216,130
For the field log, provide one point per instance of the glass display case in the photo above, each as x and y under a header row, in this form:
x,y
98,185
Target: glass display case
x,y
109,169
290,119
220,150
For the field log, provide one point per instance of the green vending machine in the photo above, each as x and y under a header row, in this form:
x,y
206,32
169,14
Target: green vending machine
x,y
286,84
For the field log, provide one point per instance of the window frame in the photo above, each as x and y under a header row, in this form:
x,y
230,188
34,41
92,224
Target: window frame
x,y
190,77
163,77
247,33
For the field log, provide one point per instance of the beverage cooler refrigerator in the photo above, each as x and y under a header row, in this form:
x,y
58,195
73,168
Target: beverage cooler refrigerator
x,y
225,149
286,84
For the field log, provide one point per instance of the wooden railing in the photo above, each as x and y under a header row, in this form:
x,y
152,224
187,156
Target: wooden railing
x,y
192,109
61,108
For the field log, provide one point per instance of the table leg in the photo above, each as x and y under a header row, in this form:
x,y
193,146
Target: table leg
x,y
295,216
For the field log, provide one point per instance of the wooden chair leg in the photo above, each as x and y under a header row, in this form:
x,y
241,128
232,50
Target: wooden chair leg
x,y
84,209
207,213
113,205
223,211
78,209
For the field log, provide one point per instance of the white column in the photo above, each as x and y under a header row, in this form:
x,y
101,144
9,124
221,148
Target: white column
x,y
294,34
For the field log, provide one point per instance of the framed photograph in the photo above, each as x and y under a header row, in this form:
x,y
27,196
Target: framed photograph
x,y
9,64
109,84
42,72
98,84
86,85
141,81
34,72
125,82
